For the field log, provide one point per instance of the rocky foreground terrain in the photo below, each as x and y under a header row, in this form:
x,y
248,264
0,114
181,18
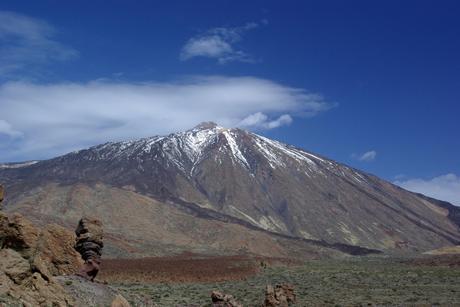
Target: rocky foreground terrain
x,y
43,267
38,266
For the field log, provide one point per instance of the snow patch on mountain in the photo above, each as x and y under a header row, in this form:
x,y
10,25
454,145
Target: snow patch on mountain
x,y
237,154
17,165
195,142
274,152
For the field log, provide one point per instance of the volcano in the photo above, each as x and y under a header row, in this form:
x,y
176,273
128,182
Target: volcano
x,y
217,190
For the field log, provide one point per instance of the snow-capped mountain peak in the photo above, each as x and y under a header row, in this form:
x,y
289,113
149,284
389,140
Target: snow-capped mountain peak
x,y
187,149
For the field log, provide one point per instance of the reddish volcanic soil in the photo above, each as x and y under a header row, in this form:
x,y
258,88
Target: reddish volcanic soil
x,y
185,268
438,260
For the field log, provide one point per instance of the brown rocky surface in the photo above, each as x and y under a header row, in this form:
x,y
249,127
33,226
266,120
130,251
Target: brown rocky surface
x,y
50,247
279,296
29,259
87,293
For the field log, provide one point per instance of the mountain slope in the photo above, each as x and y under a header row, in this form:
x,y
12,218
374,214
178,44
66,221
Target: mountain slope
x,y
137,226
261,182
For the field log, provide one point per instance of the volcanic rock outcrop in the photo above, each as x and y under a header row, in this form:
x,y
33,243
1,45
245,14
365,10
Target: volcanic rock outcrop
x,y
50,247
223,300
29,258
89,244
37,265
279,296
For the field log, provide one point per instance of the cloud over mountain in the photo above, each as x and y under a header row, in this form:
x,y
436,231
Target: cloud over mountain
x,y
368,156
43,120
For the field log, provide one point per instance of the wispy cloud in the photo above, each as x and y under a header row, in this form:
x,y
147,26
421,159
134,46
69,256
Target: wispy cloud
x,y
56,118
26,42
220,44
444,187
368,156
260,120
399,177
7,129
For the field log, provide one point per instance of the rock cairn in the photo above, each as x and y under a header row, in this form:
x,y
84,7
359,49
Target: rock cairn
x,y
279,296
223,300
1,195
89,244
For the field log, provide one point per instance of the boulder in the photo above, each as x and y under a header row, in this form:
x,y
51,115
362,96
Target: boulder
x,y
57,250
49,249
223,300
120,301
18,233
280,295
25,268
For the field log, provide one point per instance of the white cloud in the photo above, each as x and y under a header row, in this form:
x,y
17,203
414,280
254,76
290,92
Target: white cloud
x,y
6,129
445,187
57,118
26,42
219,43
368,156
260,120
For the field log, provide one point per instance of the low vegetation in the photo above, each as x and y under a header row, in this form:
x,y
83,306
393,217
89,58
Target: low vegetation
x,y
357,281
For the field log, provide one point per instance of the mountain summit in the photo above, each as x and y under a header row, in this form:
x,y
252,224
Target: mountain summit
x,y
205,125
237,177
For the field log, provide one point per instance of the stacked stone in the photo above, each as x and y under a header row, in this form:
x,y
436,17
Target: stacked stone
x,y
89,244
1,195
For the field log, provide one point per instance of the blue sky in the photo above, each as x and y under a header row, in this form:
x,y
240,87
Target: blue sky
x,y
373,84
